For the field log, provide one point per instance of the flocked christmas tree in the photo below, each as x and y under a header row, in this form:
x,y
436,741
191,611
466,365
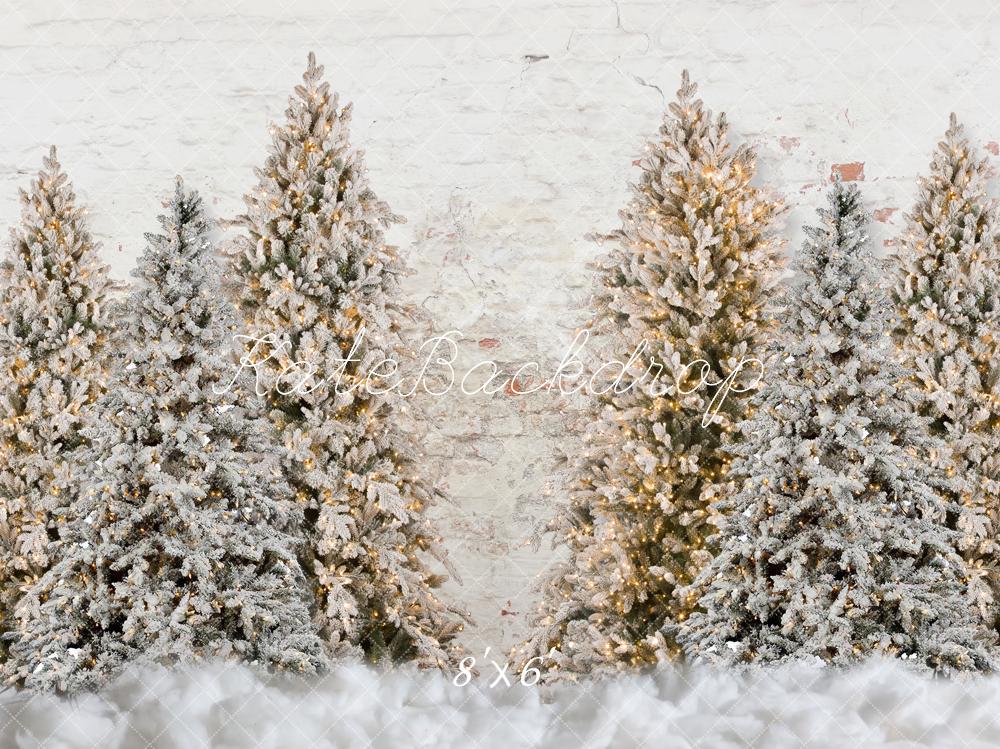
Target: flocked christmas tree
x,y
689,277
834,546
181,545
317,277
947,294
53,354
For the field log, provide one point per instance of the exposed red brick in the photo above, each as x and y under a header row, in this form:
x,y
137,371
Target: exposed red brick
x,y
852,171
517,386
489,343
787,143
993,147
432,232
636,162
882,215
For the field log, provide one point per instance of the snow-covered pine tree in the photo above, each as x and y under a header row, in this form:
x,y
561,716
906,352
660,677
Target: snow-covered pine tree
x,y
690,276
947,294
314,271
180,546
53,360
835,546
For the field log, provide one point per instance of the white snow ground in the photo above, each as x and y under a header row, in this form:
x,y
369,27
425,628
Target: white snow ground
x,y
881,704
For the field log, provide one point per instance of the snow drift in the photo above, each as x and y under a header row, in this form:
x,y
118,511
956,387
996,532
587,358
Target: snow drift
x,y
219,705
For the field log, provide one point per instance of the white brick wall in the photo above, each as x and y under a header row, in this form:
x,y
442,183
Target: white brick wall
x,y
505,132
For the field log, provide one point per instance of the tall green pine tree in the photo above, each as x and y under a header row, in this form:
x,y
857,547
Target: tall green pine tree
x,y
318,281
54,295
689,278
947,295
